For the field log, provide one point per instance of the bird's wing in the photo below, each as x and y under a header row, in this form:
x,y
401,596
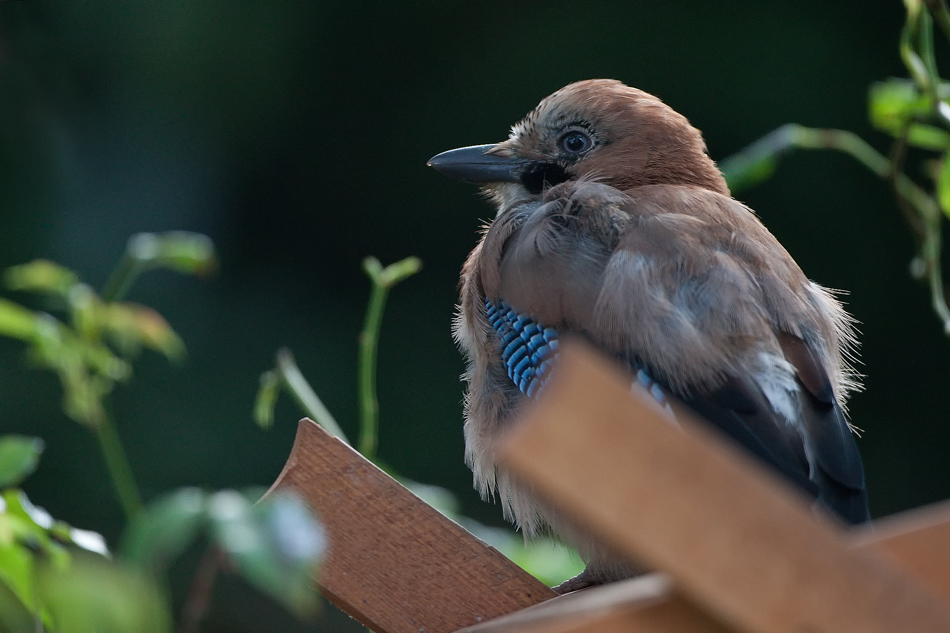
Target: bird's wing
x,y
689,286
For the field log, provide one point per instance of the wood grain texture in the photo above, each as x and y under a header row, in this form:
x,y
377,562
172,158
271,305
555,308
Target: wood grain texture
x,y
646,604
394,563
738,542
917,541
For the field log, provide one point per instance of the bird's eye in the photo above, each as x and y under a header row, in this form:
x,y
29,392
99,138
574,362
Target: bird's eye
x,y
575,142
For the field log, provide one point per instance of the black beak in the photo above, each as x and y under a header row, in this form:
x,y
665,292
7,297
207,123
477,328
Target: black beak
x,y
472,164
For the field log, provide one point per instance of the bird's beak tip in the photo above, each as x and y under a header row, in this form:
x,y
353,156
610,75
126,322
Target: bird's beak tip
x,y
474,164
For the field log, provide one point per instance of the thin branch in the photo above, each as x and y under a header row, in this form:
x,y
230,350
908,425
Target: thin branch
x,y
941,15
759,159
117,462
199,594
122,277
383,279
897,156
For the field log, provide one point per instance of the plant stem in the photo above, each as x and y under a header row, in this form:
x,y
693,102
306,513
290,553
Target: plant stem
x,y
382,281
119,469
746,168
941,15
199,594
122,277
369,345
308,400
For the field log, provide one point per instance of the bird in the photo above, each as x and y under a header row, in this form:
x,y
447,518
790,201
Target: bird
x,y
613,224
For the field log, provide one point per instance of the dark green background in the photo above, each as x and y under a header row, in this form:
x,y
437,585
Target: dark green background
x,y
296,136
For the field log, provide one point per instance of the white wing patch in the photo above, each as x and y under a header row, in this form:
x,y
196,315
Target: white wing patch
x,y
776,378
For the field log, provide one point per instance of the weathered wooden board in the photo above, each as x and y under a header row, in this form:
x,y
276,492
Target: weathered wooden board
x,y
394,563
917,542
646,604
745,548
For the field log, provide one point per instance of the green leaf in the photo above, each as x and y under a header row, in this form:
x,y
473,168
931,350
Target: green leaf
x,y
95,595
16,560
30,540
545,559
33,527
131,326
18,322
164,529
41,276
266,399
894,103
275,545
742,172
943,185
14,616
84,539
19,456
182,251
399,271
928,137
442,499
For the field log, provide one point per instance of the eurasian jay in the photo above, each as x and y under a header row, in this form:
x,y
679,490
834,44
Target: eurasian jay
x,y
613,224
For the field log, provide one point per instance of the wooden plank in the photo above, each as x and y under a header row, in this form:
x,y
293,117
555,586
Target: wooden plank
x,y
733,537
917,541
646,604
394,563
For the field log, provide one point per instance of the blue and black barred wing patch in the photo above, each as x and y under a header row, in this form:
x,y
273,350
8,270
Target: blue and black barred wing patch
x,y
528,349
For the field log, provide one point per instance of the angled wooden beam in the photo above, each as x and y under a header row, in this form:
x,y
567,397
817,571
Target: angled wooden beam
x,y
916,541
394,563
647,604
741,544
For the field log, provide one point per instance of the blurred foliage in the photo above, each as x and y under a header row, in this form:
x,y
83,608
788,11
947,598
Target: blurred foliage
x,y
50,578
92,350
916,114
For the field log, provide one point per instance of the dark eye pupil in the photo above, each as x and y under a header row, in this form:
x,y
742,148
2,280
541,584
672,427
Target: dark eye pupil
x,y
575,142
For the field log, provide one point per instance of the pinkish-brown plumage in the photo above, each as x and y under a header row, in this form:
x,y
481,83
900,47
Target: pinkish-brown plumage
x,y
634,242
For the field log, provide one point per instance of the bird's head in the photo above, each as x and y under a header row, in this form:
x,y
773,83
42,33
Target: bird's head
x,y
600,130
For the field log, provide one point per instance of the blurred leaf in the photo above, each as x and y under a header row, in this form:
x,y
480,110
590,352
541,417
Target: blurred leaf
x,y
16,321
164,529
17,504
14,616
41,275
85,307
547,560
23,522
275,545
95,595
84,539
182,251
928,137
894,103
897,104
16,560
19,456
442,499
266,399
132,326
29,539
399,271
943,185
743,172
294,529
